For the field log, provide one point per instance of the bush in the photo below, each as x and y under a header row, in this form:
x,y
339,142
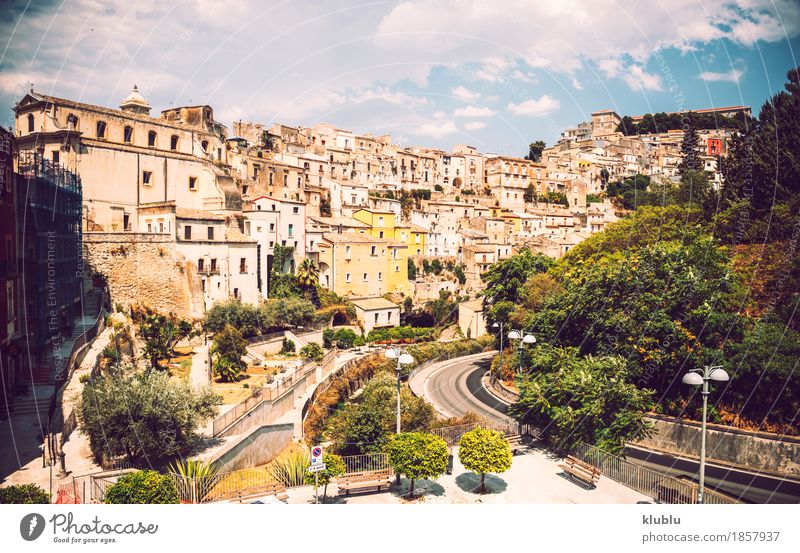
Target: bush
x,y
345,338
438,188
328,337
23,494
483,451
405,333
143,414
146,487
288,347
227,349
290,469
418,455
334,467
312,351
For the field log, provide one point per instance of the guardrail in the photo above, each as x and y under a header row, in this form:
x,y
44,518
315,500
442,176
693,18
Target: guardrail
x,y
366,462
267,393
661,487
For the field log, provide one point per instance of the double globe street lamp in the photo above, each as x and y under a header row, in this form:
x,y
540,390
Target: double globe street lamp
x,y
698,377
403,358
524,339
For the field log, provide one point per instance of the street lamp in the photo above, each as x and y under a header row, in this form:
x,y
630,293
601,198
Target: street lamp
x,y
525,338
499,326
403,358
697,377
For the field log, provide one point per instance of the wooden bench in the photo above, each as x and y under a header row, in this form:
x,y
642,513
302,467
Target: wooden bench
x,y
516,444
586,473
372,480
272,488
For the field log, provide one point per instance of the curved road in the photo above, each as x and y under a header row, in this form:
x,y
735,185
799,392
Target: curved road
x,y
456,388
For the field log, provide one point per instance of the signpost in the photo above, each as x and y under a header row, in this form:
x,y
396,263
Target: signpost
x,y
316,467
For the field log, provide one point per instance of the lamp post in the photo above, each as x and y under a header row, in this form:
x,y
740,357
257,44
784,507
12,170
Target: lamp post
x,y
525,338
403,358
499,326
698,377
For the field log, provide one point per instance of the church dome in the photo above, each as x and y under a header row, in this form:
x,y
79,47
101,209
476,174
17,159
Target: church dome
x,y
135,103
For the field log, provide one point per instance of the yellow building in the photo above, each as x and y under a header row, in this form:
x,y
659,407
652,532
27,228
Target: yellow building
x,y
360,265
385,225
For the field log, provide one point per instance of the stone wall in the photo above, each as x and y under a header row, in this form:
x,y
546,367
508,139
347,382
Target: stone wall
x,y
145,269
728,445
258,447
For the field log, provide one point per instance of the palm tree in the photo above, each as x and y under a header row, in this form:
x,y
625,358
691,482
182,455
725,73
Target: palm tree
x,y
308,278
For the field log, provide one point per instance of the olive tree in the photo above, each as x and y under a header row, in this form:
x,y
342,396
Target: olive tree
x,y
483,451
418,455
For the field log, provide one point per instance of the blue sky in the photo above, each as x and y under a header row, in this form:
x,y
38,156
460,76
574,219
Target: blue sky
x,y
494,74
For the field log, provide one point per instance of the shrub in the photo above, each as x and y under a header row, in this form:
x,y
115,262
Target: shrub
x,y
438,188
312,351
143,414
288,347
227,349
27,494
160,333
483,451
334,467
345,338
418,455
195,478
290,469
143,487
328,337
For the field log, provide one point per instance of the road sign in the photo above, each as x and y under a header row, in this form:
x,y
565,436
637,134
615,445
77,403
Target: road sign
x,y
319,467
316,455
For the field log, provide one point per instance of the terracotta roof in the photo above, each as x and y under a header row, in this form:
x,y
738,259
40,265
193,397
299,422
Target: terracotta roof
x,y
346,222
197,214
233,235
351,237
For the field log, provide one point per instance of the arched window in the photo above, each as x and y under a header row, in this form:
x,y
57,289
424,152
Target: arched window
x,y
127,134
173,142
30,122
72,122
151,139
204,145
101,129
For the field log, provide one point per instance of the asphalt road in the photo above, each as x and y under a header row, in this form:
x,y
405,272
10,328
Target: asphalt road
x,y
456,388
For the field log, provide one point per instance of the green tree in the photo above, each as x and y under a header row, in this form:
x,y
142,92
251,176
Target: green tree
x,y
418,455
308,277
530,194
690,148
345,338
436,266
412,270
458,270
312,351
535,150
504,279
287,347
328,338
143,487
227,350
19,494
160,333
233,312
283,313
146,414
334,467
483,451
582,399
444,310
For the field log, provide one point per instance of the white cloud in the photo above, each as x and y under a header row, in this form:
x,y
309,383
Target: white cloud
x,y
439,114
463,93
439,129
638,79
535,108
473,111
731,76
475,125
576,84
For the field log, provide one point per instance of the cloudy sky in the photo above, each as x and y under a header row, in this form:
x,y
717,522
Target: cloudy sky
x,y
496,74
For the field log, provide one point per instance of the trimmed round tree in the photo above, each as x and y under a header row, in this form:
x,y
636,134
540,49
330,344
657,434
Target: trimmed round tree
x,y
334,466
23,494
143,487
418,455
483,451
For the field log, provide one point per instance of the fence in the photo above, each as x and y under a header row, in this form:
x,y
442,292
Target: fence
x,y
662,488
268,393
366,462
89,488
452,434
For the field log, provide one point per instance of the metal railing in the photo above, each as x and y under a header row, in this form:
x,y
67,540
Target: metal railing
x,y
661,487
452,434
367,462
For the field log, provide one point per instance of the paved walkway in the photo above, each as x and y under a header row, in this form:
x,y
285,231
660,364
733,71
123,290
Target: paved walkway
x,y
534,477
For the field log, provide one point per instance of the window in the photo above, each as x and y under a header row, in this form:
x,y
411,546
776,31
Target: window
x,y
101,129
161,226
376,318
295,210
348,252
347,277
72,122
236,293
31,124
374,250
200,265
243,265
187,232
365,277
285,179
127,134
173,142
147,177
149,227
271,177
56,156
151,139
291,229
192,183
389,316
213,264
271,243
380,276
210,233
283,243
397,268
380,235
272,226
245,188
204,145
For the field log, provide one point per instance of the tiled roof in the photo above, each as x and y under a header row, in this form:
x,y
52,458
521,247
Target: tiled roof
x,y
368,304
197,214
